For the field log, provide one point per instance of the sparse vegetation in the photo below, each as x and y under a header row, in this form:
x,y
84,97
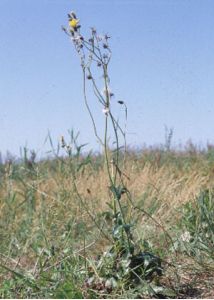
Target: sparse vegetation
x,y
50,241
119,224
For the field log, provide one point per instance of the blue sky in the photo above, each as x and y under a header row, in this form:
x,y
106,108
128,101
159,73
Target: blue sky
x,y
162,67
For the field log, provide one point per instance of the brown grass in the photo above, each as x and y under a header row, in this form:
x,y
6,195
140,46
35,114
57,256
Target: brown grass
x,y
164,182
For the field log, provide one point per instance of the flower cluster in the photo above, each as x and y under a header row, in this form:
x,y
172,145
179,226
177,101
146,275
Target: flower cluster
x,y
93,50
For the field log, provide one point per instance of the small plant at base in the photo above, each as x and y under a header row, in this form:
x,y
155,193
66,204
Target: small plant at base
x,y
197,224
123,262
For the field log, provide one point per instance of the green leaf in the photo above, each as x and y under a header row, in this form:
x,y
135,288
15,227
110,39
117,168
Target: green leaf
x,y
118,191
162,291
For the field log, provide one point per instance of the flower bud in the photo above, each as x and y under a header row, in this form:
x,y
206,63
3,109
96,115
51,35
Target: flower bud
x,y
89,77
120,102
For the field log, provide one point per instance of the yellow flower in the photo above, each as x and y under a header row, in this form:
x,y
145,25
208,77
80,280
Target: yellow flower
x,y
73,23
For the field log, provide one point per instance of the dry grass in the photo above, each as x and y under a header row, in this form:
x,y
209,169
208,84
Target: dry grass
x,y
39,207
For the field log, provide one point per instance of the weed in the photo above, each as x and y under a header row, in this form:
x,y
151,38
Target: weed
x,y
197,223
122,262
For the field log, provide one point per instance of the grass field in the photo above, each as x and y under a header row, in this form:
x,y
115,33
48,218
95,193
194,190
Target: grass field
x,y
124,223
53,231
